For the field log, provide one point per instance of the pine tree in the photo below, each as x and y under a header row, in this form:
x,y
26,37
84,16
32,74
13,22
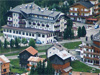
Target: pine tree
x,y
79,32
32,70
32,43
5,43
11,43
16,43
83,31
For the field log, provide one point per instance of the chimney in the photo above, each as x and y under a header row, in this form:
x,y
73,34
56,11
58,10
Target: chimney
x,y
10,8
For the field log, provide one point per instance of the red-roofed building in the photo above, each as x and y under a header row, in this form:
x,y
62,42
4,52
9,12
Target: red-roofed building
x,y
33,61
4,65
25,54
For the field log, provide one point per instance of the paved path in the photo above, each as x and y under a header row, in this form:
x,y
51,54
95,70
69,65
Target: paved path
x,y
16,56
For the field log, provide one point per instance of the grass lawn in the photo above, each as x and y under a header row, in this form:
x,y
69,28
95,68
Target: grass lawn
x,y
81,67
3,50
72,45
43,56
15,66
12,54
43,47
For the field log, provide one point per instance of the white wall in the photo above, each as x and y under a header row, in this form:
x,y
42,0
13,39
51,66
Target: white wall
x,y
15,19
52,51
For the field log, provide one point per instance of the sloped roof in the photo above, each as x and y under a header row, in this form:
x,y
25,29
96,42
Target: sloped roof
x,y
63,54
31,50
86,4
4,59
96,37
34,10
35,59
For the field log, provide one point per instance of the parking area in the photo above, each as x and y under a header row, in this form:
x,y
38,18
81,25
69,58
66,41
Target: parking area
x,y
90,28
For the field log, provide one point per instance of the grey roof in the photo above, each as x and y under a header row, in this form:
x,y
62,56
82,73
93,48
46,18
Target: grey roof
x,y
97,37
32,30
34,10
67,69
87,4
59,46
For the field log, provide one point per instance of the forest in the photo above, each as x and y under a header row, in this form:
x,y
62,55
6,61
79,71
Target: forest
x,y
59,5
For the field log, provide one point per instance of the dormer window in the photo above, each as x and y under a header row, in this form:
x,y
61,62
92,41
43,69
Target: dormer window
x,y
43,25
47,25
34,23
29,22
38,24
53,48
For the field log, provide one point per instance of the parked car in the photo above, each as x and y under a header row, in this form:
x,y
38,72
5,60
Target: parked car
x,y
96,26
38,42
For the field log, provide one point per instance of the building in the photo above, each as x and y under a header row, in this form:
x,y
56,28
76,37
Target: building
x,y
4,65
34,61
84,10
61,62
91,50
31,21
25,54
55,48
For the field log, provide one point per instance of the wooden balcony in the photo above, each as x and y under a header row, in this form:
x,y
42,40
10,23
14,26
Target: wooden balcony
x,y
97,9
87,52
29,65
28,69
97,59
88,47
97,4
73,11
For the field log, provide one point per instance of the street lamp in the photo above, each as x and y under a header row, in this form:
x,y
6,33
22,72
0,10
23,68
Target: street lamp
x,y
0,67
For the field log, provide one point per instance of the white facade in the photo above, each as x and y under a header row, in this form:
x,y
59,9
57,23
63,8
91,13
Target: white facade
x,y
52,51
50,22
11,34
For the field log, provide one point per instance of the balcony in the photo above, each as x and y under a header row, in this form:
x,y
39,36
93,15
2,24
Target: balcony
x,y
97,4
73,11
87,52
97,59
97,9
88,47
29,65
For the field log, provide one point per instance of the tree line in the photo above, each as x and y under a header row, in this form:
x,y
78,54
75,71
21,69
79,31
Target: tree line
x,y
42,69
69,33
16,43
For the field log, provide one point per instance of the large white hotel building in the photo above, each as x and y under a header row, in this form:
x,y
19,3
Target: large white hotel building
x,y
31,21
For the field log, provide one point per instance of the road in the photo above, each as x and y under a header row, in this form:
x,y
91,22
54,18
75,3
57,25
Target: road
x,y
16,56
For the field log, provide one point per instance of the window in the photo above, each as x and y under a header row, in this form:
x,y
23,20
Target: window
x,y
23,33
29,22
19,32
16,32
53,48
10,31
43,25
47,25
33,35
43,36
4,70
30,34
38,24
13,31
34,23
27,34
7,30
38,35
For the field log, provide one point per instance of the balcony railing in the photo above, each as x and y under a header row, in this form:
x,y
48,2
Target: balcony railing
x,y
91,58
87,52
